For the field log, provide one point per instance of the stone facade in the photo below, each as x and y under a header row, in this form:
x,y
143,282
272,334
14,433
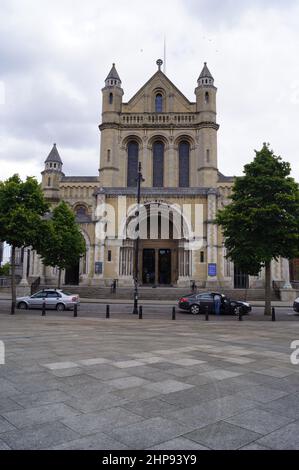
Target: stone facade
x,y
175,140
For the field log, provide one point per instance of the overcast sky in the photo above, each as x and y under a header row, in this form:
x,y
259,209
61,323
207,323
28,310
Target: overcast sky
x,y
56,54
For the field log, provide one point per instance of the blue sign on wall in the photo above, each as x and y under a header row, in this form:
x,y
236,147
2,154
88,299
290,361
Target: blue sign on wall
x,y
98,268
212,269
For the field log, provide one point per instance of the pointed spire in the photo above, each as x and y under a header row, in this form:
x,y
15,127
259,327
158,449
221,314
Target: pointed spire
x,y
53,156
113,77
205,77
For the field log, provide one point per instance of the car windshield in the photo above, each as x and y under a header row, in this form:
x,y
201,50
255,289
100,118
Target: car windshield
x,y
65,293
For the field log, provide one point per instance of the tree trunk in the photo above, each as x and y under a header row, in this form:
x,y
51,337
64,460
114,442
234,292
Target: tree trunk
x,y
268,288
59,278
13,279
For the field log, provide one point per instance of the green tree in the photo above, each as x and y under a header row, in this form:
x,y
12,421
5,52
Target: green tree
x,y
4,269
22,207
262,221
63,242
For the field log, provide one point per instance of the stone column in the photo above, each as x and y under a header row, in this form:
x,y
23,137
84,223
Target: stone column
x,y
24,281
212,235
287,293
286,273
171,167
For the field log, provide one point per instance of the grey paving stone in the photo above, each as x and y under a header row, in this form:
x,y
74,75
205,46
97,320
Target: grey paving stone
x,y
60,365
33,383
220,374
147,433
192,379
186,361
192,396
285,438
39,437
136,393
5,425
179,443
67,372
4,446
261,394
102,421
98,441
276,372
126,364
108,373
94,361
287,406
127,382
254,446
89,390
78,380
211,411
223,436
39,415
28,400
167,386
7,388
149,408
260,421
96,403
6,404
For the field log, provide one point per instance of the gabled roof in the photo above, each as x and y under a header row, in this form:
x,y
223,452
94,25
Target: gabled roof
x,y
222,178
205,73
113,73
53,156
161,75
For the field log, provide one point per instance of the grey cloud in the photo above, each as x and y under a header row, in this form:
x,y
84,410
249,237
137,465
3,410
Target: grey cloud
x,y
228,12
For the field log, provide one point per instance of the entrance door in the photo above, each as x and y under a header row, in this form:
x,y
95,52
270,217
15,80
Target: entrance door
x,y
148,266
72,275
241,280
164,266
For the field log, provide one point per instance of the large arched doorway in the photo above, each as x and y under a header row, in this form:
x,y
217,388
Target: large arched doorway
x,y
160,247
72,274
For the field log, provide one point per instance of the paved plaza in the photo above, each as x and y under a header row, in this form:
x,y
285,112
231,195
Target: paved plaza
x,y
124,383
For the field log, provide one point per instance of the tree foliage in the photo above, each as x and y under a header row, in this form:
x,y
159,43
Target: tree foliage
x,y
63,242
22,207
262,221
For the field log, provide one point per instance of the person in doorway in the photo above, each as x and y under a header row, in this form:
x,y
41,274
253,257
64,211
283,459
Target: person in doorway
x,y
217,303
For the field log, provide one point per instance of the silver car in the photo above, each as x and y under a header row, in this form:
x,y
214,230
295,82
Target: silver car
x,y
55,299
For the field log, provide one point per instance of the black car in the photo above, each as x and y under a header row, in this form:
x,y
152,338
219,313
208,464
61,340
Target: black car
x,y
198,303
296,305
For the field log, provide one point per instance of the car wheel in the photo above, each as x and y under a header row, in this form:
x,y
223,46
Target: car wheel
x,y
60,307
23,306
194,309
235,310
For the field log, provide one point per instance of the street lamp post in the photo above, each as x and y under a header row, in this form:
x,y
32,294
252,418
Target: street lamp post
x,y
139,180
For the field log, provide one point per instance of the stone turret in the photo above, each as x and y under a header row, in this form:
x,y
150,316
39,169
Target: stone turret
x,y
51,175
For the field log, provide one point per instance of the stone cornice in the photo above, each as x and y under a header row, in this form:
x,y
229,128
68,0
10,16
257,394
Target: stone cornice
x,y
155,192
160,125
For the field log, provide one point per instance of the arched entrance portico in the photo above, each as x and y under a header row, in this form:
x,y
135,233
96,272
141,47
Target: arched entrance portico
x,y
162,255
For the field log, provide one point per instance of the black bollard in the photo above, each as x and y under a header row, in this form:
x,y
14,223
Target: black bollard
x,y
140,312
44,309
240,315
75,310
273,314
13,306
173,313
207,312
107,311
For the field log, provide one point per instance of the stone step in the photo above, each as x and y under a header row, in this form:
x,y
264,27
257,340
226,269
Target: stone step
x,y
161,293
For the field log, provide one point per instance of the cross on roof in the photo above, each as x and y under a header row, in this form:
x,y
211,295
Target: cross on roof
x,y
159,63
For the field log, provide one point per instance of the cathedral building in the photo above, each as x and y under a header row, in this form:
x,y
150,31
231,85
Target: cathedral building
x,y
175,142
